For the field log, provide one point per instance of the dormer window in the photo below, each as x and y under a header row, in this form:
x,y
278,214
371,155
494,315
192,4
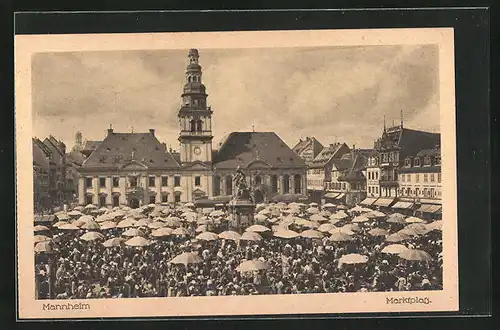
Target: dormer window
x,y
408,162
437,160
427,161
417,161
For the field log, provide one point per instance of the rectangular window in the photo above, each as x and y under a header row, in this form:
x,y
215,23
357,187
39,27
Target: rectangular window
x,y
152,199
116,201
88,183
177,198
164,181
102,182
417,161
151,181
403,177
427,161
432,177
177,181
408,177
164,198
88,199
116,182
102,201
417,177
425,177
133,181
439,177
438,160
197,181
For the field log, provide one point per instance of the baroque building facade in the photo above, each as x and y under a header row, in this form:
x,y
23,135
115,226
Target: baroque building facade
x,y
320,169
136,168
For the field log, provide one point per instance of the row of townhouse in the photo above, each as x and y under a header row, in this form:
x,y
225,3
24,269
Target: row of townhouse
x,y
401,172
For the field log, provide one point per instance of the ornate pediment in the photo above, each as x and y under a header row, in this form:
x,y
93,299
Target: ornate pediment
x,y
258,164
133,165
198,191
196,166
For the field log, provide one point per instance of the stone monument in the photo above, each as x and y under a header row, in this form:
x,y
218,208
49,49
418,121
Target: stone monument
x,y
242,206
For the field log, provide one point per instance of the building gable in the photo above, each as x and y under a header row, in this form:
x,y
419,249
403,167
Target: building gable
x,y
133,165
243,148
196,166
258,164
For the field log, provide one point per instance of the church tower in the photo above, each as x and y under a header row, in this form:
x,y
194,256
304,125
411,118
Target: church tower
x,y
195,117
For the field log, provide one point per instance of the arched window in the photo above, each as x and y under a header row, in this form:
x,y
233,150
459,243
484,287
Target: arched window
x,y
229,185
257,180
297,184
177,196
274,183
216,185
193,125
286,184
199,125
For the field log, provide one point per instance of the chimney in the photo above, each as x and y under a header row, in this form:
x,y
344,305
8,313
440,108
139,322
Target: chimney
x,y
110,129
152,131
353,147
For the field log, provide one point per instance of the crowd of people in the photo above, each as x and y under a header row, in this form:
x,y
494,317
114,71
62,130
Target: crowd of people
x,y
74,268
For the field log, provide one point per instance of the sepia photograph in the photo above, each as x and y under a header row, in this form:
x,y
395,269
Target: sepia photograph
x,y
193,168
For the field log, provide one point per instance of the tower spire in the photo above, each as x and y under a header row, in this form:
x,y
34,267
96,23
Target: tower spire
x,y
401,117
384,123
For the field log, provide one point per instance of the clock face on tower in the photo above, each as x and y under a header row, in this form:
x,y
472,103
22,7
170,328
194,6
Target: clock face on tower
x,y
197,151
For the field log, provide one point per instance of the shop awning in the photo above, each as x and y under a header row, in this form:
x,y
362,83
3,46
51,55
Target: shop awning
x,y
433,209
331,195
45,218
402,205
424,207
383,202
368,201
340,196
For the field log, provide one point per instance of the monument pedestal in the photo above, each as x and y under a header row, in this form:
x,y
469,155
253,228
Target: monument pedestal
x,y
242,211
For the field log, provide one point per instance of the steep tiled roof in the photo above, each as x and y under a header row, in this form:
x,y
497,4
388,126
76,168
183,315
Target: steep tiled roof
x,y
420,169
90,146
412,141
39,156
177,156
409,141
44,148
328,154
358,160
300,146
75,157
309,141
119,149
58,145
242,148
429,152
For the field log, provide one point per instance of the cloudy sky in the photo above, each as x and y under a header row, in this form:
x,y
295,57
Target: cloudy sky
x,y
334,93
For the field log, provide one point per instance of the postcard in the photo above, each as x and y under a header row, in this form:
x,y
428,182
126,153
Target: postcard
x,y
236,173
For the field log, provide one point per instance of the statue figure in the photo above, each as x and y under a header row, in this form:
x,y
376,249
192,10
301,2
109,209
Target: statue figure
x,y
242,190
